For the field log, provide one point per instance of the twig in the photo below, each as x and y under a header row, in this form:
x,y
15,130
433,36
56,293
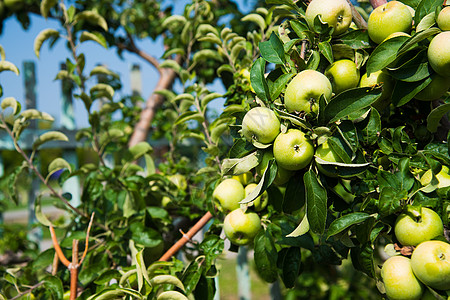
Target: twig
x,y
376,3
73,268
18,296
186,237
303,49
357,18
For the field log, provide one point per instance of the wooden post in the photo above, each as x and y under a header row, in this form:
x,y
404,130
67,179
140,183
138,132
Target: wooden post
x,y
243,276
72,184
29,67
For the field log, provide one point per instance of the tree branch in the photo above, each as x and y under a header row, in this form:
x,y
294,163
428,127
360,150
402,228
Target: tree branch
x,y
357,18
376,3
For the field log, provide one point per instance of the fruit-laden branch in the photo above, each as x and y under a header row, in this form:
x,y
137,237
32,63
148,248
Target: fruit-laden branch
x,y
376,3
186,237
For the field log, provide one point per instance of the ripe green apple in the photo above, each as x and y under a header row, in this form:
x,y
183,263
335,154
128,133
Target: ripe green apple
x,y
282,176
260,124
438,54
261,201
437,88
229,193
387,83
443,177
304,90
337,13
417,226
293,150
399,279
324,151
388,18
430,262
241,227
343,75
244,178
443,19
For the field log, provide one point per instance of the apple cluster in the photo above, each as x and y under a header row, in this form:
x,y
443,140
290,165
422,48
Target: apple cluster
x,y
429,264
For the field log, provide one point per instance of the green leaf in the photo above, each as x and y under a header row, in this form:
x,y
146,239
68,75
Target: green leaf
x,y
326,50
344,170
272,50
294,196
55,286
49,136
140,150
102,90
289,262
424,8
102,70
42,37
372,128
301,229
93,36
316,202
208,98
40,216
11,102
363,260
116,293
13,181
189,115
46,5
345,222
384,54
419,36
258,80
265,256
348,102
8,66
172,295
426,22
390,201
435,116
413,70
299,28
93,18
191,276
257,19
356,39
173,21
279,84
405,91
240,165
32,114
266,180
167,279
206,54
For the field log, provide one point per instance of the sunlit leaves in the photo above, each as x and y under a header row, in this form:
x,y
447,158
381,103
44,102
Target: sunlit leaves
x,y
42,37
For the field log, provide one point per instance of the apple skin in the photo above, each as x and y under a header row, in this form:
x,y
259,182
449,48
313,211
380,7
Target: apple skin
x,y
293,150
410,231
241,227
437,88
260,202
443,19
282,176
260,124
387,82
343,75
438,54
229,193
337,13
244,178
388,18
399,279
443,177
304,90
325,152
430,262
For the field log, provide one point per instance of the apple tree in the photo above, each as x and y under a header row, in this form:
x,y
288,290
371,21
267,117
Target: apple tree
x,y
337,123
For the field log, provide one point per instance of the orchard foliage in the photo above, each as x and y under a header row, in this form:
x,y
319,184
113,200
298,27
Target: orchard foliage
x,y
328,214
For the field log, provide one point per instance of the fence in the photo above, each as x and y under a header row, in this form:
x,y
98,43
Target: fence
x,y
72,186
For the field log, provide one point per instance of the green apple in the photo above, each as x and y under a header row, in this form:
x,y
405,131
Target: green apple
x,y
260,124
241,227
179,180
293,150
388,18
244,178
261,201
282,176
337,13
229,193
443,177
443,19
438,54
399,279
430,262
437,88
343,75
387,83
304,90
417,225
324,151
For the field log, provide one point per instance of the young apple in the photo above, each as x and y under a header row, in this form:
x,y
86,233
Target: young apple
x,y
324,151
430,262
244,178
343,75
293,150
387,84
282,176
241,227
437,88
260,124
443,177
388,18
337,13
439,55
304,90
443,19
229,193
399,279
260,202
417,226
